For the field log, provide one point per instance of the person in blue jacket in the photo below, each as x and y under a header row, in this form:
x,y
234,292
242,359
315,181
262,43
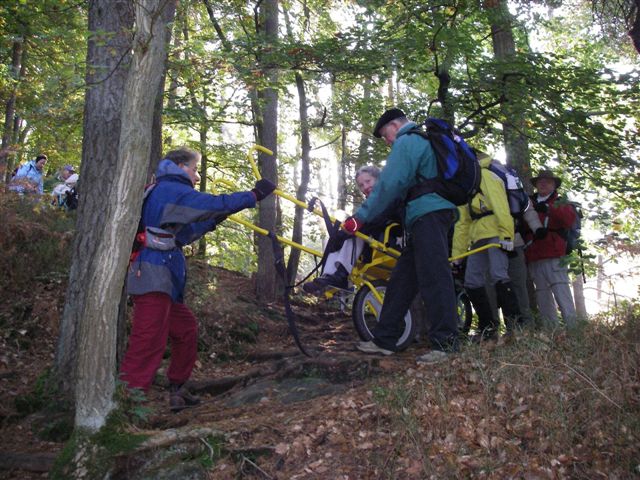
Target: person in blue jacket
x,y
173,214
29,177
423,266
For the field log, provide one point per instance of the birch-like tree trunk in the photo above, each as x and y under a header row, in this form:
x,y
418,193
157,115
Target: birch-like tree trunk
x,y
305,173
514,130
97,322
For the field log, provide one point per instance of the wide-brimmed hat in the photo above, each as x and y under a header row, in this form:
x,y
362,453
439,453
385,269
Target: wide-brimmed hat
x,y
385,118
545,173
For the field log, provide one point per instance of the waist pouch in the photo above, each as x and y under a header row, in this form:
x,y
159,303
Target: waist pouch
x,y
159,239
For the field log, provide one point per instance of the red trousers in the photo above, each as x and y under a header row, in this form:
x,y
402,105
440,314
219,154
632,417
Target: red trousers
x,y
157,318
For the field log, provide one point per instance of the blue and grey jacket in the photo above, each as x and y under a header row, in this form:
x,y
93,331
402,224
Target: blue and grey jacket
x,y
411,159
28,172
175,206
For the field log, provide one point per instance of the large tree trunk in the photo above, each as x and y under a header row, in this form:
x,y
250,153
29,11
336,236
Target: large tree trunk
x,y
514,130
10,106
97,325
266,279
97,335
108,58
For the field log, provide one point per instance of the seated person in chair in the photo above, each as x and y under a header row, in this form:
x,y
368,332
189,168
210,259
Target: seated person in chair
x,y
346,249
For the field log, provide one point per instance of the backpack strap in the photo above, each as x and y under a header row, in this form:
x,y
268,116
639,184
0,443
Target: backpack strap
x,y
425,185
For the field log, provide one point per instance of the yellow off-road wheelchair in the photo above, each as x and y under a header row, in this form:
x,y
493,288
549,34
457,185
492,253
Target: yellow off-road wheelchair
x,y
370,274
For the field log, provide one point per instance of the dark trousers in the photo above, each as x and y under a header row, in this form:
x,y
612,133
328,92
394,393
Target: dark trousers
x,y
423,267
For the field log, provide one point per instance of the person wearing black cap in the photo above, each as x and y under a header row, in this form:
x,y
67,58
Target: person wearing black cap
x,y
550,276
423,266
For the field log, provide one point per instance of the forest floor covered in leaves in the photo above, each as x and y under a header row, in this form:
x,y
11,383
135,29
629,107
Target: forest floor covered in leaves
x,y
547,405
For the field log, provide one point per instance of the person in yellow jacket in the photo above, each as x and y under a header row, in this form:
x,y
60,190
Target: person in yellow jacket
x,y
486,219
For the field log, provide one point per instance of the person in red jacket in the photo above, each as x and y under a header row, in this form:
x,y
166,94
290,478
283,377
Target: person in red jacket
x,y
544,255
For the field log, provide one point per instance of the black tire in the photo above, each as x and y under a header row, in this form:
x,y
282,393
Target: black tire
x,y
366,310
464,311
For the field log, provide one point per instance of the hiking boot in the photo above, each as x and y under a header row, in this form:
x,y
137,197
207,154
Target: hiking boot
x,y
370,347
180,398
433,356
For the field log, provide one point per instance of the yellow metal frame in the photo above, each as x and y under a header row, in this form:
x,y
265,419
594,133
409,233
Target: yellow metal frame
x,y
383,257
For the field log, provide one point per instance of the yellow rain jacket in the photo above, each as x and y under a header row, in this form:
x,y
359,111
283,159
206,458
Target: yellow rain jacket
x,y
492,198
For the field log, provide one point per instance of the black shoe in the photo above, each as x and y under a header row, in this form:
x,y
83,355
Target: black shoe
x,y
313,287
180,398
338,279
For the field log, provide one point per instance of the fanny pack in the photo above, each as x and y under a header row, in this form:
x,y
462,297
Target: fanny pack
x,y
159,239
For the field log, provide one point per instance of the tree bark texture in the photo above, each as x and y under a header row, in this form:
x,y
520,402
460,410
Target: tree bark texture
x,y
343,168
97,325
108,58
155,155
266,279
204,165
10,106
634,33
514,130
301,194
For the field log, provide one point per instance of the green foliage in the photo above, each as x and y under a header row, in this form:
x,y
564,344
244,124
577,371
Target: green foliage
x,y
51,93
54,421
43,394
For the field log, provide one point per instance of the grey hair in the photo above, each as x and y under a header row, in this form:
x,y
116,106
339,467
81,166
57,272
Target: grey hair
x,y
370,169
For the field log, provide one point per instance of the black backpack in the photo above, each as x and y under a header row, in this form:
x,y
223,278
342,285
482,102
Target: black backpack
x,y
71,199
458,178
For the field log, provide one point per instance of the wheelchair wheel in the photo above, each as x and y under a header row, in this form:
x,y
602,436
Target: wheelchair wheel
x,y
465,313
366,311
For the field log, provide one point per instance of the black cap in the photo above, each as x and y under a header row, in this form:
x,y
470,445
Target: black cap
x,y
386,117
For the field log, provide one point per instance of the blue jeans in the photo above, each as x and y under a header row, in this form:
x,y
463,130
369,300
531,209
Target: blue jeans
x,y
423,267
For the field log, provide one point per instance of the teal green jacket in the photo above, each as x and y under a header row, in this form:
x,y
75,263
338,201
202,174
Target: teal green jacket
x,y
411,158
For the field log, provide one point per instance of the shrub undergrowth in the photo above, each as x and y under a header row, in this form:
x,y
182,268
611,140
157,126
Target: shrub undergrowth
x,y
35,241
551,403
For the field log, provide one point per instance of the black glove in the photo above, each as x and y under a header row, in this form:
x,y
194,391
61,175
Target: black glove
x,y
542,207
540,233
262,189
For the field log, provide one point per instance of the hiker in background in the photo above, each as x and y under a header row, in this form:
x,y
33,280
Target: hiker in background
x,y
544,255
423,265
29,178
173,214
346,249
524,216
487,219
69,180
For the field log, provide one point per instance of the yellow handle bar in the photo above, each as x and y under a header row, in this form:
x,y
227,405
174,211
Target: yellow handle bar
x,y
371,241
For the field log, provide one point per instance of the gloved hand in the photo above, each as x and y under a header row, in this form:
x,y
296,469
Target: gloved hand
x,y
542,207
262,189
540,233
506,245
351,225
